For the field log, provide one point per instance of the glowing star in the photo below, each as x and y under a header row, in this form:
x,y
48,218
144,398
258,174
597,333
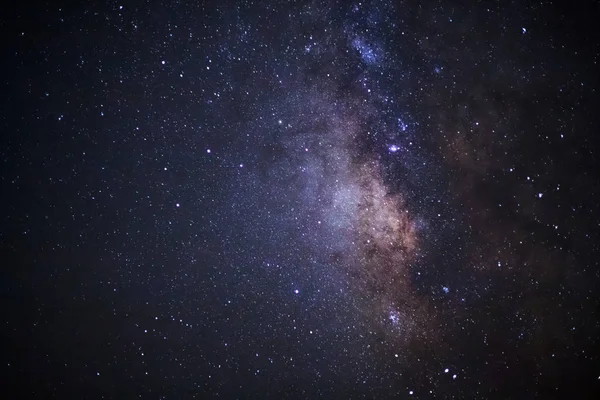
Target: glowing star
x,y
393,148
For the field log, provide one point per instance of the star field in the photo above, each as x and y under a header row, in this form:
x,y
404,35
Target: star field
x,y
300,200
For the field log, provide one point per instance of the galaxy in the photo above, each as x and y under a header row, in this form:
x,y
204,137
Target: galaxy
x,y
337,200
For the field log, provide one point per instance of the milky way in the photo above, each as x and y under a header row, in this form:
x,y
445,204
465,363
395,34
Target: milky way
x,y
308,199
339,206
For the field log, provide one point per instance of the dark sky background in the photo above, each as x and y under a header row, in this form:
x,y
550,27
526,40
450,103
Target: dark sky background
x,y
386,199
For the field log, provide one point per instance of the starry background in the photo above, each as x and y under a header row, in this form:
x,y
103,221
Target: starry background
x,y
307,200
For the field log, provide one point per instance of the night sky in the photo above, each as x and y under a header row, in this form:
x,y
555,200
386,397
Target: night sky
x,y
337,200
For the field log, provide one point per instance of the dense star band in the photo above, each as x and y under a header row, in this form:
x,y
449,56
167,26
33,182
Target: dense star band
x,y
341,203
